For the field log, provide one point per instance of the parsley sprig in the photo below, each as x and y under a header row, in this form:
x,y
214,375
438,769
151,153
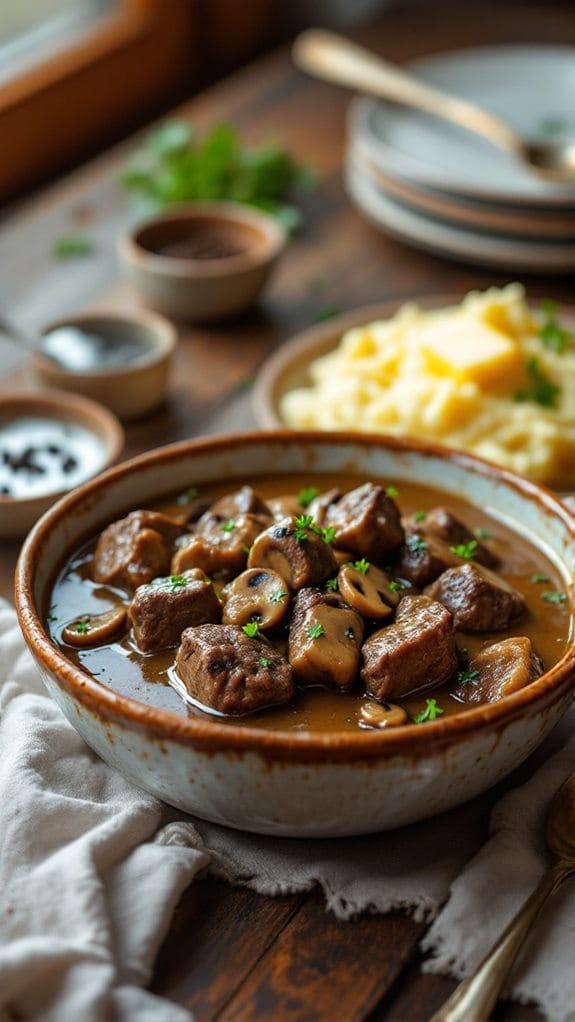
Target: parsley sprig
x,y
315,631
431,712
542,391
305,496
176,164
465,550
552,335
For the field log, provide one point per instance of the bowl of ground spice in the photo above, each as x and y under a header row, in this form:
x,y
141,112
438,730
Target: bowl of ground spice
x,y
202,261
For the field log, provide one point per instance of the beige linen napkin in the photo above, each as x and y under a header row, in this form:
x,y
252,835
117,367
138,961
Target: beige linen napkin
x,y
91,869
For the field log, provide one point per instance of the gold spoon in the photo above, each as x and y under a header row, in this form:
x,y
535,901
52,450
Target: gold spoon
x,y
474,998
335,59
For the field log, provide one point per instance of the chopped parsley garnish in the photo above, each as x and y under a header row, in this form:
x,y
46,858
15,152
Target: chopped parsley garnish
x,y
552,335
177,581
278,596
229,525
419,516
72,246
553,596
315,631
431,712
361,566
468,677
349,633
264,661
537,578
246,550
302,523
542,391
482,533
415,542
397,587
327,311
305,496
391,491
332,584
328,535
52,617
188,495
252,629
82,627
465,550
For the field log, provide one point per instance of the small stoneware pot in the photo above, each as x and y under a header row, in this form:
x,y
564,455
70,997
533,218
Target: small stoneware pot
x,y
130,386
204,261
299,783
19,513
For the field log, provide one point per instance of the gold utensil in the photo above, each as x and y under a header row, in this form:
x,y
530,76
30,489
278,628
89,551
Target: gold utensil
x,y
335,59
474,998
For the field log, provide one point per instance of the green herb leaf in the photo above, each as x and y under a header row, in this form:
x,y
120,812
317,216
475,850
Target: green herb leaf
x,y
415,542
82,627
315,631
327,311
305,496
264,661
397,587
332,584
468,677
72,246
391,491
176,582
537,578
328,535
303,523
465,550
229,525
188,495
431,712
177,165
278,596
419,516
542,391
362,566
553,597
252,629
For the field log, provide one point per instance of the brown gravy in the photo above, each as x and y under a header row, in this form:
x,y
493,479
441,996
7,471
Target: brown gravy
x,y
144,677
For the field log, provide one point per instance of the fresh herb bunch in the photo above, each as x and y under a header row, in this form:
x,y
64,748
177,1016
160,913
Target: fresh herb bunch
x,y
177,165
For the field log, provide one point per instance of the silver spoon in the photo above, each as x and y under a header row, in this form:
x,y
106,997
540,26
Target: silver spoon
x,y
335,59
474,998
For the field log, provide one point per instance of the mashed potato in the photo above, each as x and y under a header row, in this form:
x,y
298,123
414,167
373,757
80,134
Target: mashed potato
x,y
483,376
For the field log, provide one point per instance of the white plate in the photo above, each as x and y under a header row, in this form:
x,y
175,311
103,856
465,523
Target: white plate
x,y
434,235
531,87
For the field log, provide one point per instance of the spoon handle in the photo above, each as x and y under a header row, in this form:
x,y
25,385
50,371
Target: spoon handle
x,y
474,998
336,59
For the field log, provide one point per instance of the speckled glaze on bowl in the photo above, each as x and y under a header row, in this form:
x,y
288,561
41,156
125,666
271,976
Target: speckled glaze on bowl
x,y
298,784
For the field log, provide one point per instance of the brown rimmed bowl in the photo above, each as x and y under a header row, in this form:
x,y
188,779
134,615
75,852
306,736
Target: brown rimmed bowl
x,y
301,784
202,261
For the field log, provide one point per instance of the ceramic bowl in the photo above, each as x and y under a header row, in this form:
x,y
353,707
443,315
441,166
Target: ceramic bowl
x,y
131,387
19,513
204,261
301,784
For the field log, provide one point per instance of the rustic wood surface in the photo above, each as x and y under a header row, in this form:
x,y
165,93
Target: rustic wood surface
x,y
231,954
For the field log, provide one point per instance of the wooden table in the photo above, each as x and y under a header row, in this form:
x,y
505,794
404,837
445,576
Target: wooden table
x,y
232,954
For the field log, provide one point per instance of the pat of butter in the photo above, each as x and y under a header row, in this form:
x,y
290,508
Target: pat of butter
x,y
468,350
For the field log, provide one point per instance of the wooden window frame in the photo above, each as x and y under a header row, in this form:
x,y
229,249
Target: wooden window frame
x,y
122,72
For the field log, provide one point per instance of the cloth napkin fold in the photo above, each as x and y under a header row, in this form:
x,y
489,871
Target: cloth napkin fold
x,y
91,869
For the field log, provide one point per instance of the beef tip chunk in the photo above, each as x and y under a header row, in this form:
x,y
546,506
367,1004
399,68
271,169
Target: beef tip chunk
x,y
498,671
221,667
162,609
418,651
422,558
322,505
256,595
367,522
324,640
296,551
244,501
479,600
442,524
218,547
135,549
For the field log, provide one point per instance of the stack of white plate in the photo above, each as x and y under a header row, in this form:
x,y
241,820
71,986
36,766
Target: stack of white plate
x,y
448,191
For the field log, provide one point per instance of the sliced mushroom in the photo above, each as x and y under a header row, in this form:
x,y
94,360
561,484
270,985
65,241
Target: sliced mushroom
x,y
380,715
95,629
324,640
498,671
296,552
256,595
219,547
367,589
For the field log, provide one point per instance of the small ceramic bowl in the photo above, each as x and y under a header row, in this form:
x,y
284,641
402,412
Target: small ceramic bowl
x,y
301,783
121,360
49,443
204,261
